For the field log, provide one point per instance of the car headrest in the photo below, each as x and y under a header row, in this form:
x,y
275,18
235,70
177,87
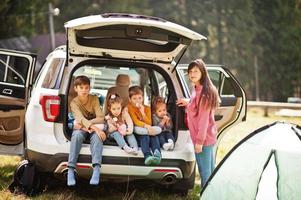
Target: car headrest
x,y
123,80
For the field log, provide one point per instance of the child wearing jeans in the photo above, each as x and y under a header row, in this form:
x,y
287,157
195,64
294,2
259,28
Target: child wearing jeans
x,y
146,133
120,125
162,119
87,112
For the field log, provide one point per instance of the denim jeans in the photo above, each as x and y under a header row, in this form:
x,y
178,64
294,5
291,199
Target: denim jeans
x,y
148,144
120,139
77,139
164,136
205,161
143,131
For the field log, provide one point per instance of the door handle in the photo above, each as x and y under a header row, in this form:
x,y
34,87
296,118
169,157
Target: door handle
x,y
7,91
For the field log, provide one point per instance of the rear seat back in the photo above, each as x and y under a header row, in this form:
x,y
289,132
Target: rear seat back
x,y
122,89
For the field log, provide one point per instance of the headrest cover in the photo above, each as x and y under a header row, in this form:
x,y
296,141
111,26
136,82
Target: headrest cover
x,y
123,80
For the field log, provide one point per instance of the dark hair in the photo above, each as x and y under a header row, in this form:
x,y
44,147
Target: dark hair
x,y
157,101
134,90
114,98
81,80
209,95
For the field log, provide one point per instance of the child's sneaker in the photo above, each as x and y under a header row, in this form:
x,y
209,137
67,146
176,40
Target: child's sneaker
x,y
172,144
166,146
150,160
135,151
157,156
128,149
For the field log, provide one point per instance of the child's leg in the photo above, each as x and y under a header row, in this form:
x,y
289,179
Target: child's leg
x,y
96,147
154,143
140,130
77,139
118,138
131,139
162,140
144,143
155,146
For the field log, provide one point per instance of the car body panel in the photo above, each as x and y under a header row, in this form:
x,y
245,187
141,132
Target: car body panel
x,y
127,37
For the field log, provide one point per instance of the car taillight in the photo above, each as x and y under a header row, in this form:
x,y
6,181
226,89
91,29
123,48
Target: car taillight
x,y
50,107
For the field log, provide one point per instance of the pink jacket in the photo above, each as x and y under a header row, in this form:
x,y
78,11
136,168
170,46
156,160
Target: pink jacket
x,y
201,122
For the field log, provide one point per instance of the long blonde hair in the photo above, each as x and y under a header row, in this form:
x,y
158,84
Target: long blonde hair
x,y
209,95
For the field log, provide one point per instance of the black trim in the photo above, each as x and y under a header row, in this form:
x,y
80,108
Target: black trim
x,y
48,163
265,165
7,108
122,63
296,132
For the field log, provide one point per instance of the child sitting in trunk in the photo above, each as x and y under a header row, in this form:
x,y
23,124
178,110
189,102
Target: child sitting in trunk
x,y
87,112
162,119
146,133
120,125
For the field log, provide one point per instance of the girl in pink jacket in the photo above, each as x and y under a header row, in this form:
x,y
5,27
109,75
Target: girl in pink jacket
x,y
200,117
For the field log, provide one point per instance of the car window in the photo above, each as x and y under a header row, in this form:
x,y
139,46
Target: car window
x,y
52,73
13,69
162,85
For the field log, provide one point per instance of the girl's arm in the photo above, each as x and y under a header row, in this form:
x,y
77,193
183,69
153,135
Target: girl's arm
x,y
203,122
129,123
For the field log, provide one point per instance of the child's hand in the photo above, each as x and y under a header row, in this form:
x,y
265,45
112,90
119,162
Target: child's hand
x,y
122,129
198,148
182,102
76,125
151,130
99,132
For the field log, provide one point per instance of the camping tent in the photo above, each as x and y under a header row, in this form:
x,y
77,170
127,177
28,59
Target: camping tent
x,y
264,165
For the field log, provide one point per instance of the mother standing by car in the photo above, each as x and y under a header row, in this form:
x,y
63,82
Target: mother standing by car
x,y
200,117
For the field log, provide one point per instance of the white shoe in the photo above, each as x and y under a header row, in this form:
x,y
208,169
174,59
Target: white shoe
x,y
135,151
172,144
166,146
127,149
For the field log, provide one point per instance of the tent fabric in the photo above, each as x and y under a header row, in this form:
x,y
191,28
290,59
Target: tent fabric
x,y
264,165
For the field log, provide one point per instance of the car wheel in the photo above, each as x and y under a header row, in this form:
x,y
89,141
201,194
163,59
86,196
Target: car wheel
x,y
182,187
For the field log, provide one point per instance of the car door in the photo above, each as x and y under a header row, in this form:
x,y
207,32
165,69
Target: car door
x,y
127,36
232,109
16,74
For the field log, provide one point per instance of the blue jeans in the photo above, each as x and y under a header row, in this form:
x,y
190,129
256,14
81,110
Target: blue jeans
x,y
205,161
164,136
148,143
120,139
77,139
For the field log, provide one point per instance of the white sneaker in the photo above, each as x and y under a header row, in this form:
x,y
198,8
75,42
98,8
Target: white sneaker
x,y
172,144
166,146
127,149
135,151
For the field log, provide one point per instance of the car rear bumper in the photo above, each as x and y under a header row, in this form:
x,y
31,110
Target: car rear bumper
x,y
114,166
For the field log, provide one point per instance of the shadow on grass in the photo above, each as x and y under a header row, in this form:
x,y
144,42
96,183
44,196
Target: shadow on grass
x,y
108,190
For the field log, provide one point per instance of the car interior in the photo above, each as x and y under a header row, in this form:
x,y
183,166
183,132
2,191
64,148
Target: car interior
x,y
106,79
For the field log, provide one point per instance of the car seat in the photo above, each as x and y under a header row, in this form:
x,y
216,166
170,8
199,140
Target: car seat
x,y
122,89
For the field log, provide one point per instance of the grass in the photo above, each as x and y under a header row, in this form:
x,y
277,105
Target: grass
x,y
59,191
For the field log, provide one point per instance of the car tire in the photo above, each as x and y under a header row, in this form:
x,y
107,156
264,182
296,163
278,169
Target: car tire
x,y
183,186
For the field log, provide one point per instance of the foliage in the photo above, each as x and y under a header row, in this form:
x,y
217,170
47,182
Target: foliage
x,y
238,32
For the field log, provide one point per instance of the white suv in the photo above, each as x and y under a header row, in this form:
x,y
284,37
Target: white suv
x,y
34,116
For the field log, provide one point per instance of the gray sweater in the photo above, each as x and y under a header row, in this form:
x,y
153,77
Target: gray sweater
x,y
166,127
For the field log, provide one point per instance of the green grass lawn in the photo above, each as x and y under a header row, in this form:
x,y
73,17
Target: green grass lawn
x,y
59,191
